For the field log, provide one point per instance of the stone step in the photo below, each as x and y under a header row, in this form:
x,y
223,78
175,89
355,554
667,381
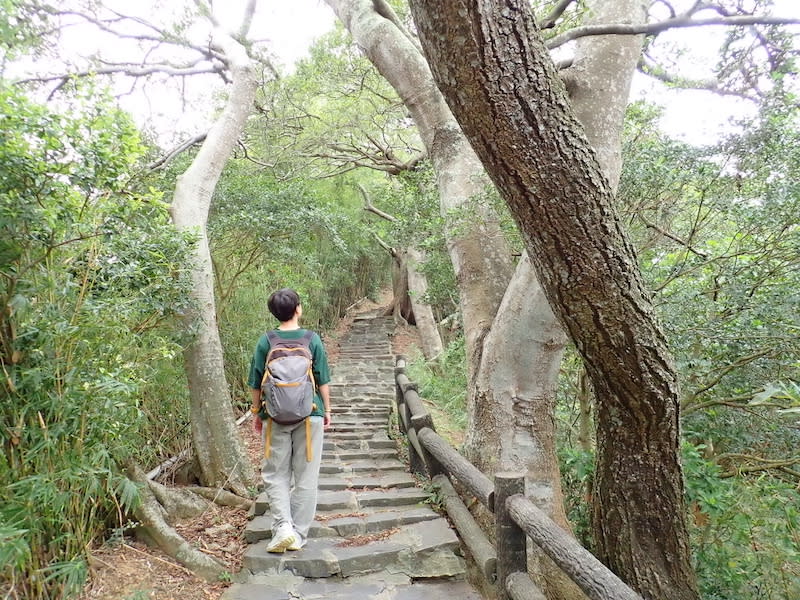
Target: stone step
x,y
352,500
374,536
353,410
365,436
365,428
362,481
346,524
289,587
362,466
419,550
354,444
348,455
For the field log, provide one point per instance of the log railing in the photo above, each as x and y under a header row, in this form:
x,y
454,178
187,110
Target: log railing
x,y
517,519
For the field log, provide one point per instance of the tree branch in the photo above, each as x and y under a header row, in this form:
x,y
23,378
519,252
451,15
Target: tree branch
x,y
549,21
368,206
671,236
655,28
167,158
761,464
247,19
385,10
384,245
710,85
722,372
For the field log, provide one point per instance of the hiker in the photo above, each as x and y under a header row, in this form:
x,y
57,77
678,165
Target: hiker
x,y
292,436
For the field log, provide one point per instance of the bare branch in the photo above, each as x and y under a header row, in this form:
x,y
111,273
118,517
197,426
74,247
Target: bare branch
x,y
711,85
368,206
246,156
384,245
247,20
671,236
129,70
655,28
758,464
723,371
167,158
550,20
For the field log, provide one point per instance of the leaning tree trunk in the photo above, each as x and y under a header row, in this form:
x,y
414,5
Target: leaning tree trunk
x,y
480,256
483,267
598,82
492,65
217,445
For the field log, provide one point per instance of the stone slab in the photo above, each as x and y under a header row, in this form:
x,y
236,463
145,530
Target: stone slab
x,y
391,497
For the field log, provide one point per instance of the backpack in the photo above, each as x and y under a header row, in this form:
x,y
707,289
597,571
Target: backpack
x,y
288,383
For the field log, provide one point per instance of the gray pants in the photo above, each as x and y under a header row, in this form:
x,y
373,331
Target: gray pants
x,y
290,479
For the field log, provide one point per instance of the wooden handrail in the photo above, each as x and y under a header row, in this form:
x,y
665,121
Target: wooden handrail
x,y
516,517
580,565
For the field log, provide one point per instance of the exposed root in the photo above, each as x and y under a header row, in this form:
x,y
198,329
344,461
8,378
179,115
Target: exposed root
x,y
222,497
155,529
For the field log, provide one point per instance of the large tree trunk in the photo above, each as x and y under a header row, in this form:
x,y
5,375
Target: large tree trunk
x,y
481,258
514,400
483,267
217,445
490,62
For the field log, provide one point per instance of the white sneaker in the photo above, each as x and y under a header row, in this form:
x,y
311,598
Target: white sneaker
x,y
283,539
298,543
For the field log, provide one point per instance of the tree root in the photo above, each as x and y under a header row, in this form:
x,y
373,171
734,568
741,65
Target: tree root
x,y
222,497
159,506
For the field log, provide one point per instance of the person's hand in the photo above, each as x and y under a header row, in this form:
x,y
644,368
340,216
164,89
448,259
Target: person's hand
x,y
326,421
258,424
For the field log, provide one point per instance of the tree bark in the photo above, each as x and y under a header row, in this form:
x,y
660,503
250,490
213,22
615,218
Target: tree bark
x,y
481,258
492,66
429,336
216,441
483,267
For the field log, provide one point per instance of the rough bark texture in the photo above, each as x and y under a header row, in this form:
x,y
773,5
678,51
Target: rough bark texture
x,y
483,266
490,62
216,442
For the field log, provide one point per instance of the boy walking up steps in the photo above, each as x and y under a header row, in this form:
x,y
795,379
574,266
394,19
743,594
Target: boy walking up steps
x,y
295,419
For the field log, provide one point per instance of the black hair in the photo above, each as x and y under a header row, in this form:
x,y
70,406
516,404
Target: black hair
x,y
283,304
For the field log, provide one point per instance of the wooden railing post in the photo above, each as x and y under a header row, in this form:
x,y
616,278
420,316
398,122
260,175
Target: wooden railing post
x,y
512,556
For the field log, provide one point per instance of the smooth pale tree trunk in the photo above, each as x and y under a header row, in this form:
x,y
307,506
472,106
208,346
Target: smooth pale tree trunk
x,y
401,301
217,445
429,336
514,400
481,258
409,286
489,60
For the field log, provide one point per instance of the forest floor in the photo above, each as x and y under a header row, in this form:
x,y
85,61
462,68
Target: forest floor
x,y
125,569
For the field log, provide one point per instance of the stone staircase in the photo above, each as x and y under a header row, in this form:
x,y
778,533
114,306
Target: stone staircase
x,y
373,537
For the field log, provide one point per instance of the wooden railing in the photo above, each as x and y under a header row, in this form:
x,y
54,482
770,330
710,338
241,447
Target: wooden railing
x,y
516,518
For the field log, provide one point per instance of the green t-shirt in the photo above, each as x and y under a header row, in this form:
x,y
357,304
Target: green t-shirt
x,y
319,365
